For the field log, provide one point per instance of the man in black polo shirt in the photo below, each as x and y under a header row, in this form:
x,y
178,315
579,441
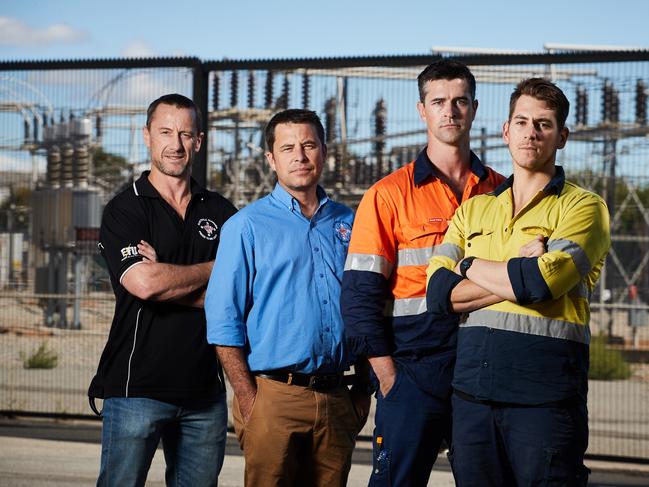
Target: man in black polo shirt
x,y
157,375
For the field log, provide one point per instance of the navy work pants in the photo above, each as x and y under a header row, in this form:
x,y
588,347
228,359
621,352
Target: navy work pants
x,y
410,426
522,446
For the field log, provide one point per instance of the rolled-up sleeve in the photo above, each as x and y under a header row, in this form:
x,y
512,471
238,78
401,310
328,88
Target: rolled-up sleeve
x,y
229,291
575,253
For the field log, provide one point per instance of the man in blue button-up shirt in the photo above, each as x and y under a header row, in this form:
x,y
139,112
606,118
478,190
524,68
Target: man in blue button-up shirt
x,y
273,312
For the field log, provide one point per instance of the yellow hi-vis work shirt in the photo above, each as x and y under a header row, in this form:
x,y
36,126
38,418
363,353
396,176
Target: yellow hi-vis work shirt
x,y
535,350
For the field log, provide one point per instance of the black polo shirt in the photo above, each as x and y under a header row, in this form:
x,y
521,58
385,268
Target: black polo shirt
x,y
158,349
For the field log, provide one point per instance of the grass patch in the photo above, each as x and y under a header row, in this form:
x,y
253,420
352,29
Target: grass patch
x,y
41,358
605,363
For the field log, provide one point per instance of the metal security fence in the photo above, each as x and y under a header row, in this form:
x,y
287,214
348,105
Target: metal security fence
x,y
70,138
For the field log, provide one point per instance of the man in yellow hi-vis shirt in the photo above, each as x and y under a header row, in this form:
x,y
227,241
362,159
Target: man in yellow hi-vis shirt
x,y
523,261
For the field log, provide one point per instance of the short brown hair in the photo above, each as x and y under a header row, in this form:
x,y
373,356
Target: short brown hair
x,y
545,90
293,115
178,101
445,69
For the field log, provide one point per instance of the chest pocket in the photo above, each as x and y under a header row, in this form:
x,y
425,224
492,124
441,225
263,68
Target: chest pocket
x,y
530,232
478,242
414,232
535,230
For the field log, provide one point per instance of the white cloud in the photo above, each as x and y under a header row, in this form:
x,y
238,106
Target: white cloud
x,y
13,32
138,49
21,163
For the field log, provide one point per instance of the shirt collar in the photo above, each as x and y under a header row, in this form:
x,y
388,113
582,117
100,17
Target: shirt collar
x,y
555,185
143,187
424,168
285,198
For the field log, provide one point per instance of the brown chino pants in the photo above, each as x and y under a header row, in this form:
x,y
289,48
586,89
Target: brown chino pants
x,y
297,436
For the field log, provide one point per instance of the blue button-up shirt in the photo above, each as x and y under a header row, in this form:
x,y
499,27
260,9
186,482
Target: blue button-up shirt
x,y
275,286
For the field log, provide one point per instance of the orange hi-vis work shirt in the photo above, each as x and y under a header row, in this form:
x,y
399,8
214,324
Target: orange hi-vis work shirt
x,y
398,223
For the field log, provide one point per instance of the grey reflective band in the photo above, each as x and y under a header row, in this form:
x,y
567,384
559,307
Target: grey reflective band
x,y
405,307
368,262
422,255
530,325
449,250
578,255
414,256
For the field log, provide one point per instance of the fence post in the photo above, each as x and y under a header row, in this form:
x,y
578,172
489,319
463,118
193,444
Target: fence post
x,y
199,170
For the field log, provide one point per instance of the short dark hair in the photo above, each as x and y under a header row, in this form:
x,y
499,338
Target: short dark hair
x,y
293,115
445,69
545,90
178,101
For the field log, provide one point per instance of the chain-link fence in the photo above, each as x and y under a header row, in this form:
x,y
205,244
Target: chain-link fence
x,y
70,138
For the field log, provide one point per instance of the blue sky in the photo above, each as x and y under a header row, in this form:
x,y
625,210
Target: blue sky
x,y
40,29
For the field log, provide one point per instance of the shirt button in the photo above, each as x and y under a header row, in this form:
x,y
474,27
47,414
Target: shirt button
x,y
327,329
469,244
325,302
505,229
321,274
485,365
316,249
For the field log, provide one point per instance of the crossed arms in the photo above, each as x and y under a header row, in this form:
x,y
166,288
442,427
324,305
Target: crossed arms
x,y
157,281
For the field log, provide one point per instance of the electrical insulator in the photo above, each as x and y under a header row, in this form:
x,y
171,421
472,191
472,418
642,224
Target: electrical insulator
x,y
610,103
640,103
306,81
285,92
251,89
67,165
234,89
216,90
582,106
81,165
615,106
607,100
27,131
330,119
269,89
380,115
36,133
54,166
99,127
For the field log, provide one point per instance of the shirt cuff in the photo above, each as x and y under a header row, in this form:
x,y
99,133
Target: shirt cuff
x,y
527,281
438,292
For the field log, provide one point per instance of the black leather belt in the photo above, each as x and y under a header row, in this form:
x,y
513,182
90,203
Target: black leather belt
x,y
315,382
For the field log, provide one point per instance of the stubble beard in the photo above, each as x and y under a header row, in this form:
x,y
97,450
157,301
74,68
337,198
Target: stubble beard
x,y
172,170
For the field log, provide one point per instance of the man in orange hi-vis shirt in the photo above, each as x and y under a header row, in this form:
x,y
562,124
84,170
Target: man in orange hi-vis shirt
x,y
399,224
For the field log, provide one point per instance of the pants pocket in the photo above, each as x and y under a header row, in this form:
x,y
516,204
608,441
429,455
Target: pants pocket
x,y
560,473
380,464
237,418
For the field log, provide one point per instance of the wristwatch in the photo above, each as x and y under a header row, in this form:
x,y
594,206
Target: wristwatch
x,y
465,264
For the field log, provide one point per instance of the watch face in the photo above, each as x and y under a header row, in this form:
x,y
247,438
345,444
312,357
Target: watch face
x,y
465,264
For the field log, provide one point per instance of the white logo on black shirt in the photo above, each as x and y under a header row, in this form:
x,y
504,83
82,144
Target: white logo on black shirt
x,y
128,252
207,229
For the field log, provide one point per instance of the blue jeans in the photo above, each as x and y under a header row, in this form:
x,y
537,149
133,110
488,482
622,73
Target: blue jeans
x,y
193,441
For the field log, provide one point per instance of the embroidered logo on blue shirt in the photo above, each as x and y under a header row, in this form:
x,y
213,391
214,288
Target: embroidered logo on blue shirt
x,y
343,231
